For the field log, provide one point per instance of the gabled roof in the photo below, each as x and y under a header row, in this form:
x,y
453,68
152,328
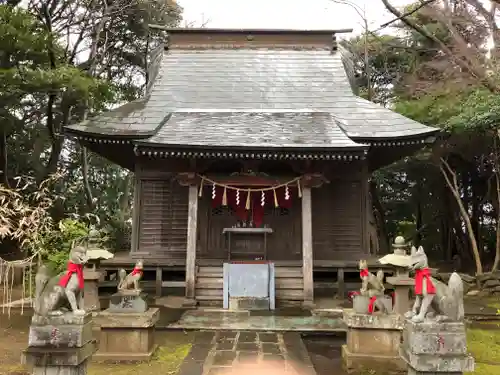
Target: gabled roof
x,y
204,77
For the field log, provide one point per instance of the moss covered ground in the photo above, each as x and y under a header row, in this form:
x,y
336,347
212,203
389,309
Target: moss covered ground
x,y
484,344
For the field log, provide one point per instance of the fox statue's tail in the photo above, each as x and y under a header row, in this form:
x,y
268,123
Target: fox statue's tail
x,y
42,277
122,274
456,290
380,276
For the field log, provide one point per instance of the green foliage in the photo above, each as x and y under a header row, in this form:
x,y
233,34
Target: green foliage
x,y
455,111
62,240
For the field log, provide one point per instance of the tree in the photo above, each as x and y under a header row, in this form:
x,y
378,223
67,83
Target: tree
x,y
61,62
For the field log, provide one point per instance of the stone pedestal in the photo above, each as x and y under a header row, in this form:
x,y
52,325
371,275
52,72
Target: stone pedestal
x,y
127,336
402,283
432,348
372,342
91,291
128,302
59,345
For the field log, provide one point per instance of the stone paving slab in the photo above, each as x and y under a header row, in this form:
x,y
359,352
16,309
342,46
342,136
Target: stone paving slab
x,y
213,352
243,321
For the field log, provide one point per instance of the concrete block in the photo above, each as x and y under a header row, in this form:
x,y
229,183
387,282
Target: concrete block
x,y
357,362
436,347
126,336
108,319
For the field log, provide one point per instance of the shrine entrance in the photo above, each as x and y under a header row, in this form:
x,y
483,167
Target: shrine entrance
x,y
250,217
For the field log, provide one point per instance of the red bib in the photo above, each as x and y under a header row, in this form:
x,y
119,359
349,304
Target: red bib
x,y
72,268
364,272
136,271
421,276
371,305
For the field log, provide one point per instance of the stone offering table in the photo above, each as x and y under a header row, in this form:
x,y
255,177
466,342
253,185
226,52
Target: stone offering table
x,y
432,348
372,342
127,328
59,344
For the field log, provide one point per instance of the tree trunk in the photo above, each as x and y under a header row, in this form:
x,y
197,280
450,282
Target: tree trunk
x,y
379,214
86,183
4,166
496,262
453,185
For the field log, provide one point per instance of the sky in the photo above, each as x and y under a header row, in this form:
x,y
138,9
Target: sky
x,y
286,14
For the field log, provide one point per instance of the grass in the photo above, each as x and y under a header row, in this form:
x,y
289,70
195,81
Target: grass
x,y
484,344
173,348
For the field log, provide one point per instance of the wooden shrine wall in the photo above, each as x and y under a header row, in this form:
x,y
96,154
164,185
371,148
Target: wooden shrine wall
x,y
337,220
163,219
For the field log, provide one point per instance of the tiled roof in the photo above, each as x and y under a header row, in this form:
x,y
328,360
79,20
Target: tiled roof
x,y
254,129
251,80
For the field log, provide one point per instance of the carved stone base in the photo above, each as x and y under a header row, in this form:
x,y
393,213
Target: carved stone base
x,y
372,342
434,347
128,302
126,336
59,345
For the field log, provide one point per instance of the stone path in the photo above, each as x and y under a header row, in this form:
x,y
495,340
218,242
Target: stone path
x,y
215,351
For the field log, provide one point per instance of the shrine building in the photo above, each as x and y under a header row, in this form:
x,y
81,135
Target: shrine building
x,y
251,146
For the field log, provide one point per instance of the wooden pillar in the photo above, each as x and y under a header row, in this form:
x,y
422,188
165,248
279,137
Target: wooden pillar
x,y
340,284
365,206
136,215
191,246
159,281
307,249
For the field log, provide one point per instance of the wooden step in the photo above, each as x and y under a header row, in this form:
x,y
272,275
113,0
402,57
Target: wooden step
x,y
210,271
288,283
209,298
209,292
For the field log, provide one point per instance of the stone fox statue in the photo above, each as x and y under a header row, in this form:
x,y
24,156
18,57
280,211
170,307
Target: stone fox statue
x,y
64,291
131,281
446,300
371,285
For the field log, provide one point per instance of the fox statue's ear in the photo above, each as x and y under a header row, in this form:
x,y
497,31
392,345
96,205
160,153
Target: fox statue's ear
x,y
413,250
420,250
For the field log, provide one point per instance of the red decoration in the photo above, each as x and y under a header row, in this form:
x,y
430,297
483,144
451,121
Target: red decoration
x,y
238,205
371,305
72,268
421,276
364,272
136,271
352,294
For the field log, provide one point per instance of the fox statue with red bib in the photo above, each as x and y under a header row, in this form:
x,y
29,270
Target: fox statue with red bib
x,y
446,300
55,294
